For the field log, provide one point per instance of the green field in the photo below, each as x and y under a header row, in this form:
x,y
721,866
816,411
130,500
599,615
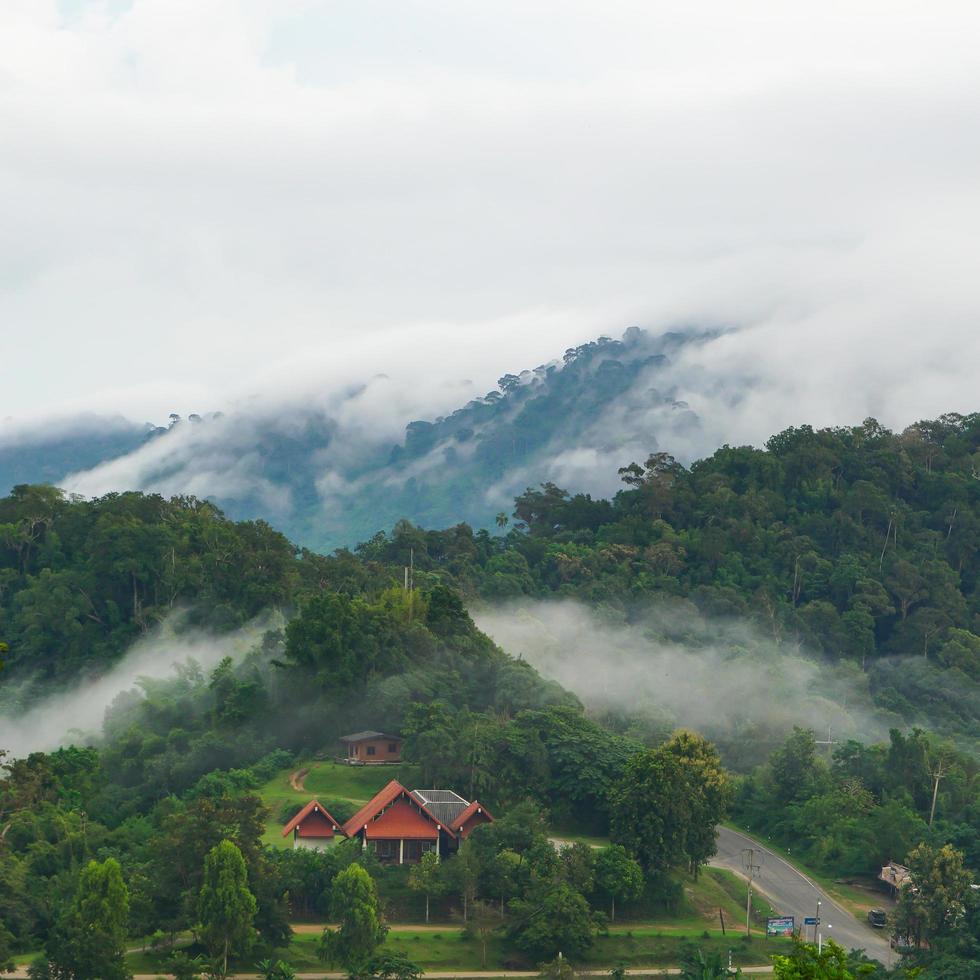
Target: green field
x,y
451,949
328,782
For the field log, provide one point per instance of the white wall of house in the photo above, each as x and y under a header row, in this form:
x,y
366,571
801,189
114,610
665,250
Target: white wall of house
x,y
314,843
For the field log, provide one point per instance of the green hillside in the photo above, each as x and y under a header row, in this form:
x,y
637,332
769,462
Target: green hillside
x,y
855,551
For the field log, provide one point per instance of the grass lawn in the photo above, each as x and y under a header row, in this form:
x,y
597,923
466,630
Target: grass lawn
x,y
718,890
452,949
327,781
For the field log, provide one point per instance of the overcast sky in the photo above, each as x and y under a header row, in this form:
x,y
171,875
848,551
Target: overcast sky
x,y
202,200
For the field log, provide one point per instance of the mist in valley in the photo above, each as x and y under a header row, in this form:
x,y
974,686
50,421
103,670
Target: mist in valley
x,y
75,715
669,667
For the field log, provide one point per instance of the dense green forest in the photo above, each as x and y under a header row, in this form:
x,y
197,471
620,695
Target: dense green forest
x,y
854,545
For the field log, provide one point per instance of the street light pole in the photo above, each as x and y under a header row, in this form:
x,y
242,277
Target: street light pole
x,y
816,925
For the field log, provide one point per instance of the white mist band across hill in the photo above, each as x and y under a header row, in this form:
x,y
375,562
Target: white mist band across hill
x,y
725,679
76,715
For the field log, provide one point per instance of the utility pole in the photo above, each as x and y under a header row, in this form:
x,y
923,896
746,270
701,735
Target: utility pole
x,y
936,776
749,858
411,584
816,924
830,741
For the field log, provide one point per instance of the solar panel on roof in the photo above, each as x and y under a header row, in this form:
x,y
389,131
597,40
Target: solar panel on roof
x,y
439,796
443,804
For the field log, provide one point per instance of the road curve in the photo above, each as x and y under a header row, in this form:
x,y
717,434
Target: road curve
x,y
790,892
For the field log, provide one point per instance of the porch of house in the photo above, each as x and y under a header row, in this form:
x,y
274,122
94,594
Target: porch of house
x,y
401,850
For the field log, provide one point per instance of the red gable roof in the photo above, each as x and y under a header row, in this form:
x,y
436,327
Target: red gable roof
x,y
474,809
402,819
380,800
313,821
385,798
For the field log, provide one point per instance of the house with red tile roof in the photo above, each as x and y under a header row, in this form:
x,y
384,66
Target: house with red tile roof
x,y
401,825
314,828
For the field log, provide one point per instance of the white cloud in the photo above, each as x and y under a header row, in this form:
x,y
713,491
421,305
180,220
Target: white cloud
x,y
206,201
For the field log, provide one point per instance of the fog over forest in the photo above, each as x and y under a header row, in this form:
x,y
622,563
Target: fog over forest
x,y
671,667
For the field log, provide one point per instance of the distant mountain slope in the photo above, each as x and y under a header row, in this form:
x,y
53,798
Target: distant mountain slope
x,y
327,482
48,455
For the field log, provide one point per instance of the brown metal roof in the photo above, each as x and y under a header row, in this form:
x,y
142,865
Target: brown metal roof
x,y
364,736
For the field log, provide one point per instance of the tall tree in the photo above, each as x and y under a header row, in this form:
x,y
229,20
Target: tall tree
x,y
226,908
662,809
90,943
937,900
617,876
461,876
354,904
711,793
556,921
424,877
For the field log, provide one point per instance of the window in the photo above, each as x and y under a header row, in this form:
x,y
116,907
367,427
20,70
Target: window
x,y
392,747
387,848
370,750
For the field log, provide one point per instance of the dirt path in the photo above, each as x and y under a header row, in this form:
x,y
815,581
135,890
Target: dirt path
x,y
318,927
640,971
617,928
297,779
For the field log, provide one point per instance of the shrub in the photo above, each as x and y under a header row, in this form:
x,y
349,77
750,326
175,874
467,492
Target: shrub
x,y
289,810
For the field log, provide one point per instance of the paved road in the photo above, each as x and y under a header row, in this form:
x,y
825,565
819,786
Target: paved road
x,y
790,892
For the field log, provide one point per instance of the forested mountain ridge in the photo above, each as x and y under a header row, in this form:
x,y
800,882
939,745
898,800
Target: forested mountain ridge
x,y
852,545
80,581
326,479
857,545
793,539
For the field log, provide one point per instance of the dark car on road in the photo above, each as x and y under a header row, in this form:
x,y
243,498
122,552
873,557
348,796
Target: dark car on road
x,y
877,918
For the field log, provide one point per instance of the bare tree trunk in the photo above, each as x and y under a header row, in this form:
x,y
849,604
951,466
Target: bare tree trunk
x,y
887,532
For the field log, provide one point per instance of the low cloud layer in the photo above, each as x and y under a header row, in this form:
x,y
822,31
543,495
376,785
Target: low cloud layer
x,y
671,667
76,715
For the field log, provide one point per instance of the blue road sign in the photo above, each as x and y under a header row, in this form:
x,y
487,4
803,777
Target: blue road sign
x,y
811,921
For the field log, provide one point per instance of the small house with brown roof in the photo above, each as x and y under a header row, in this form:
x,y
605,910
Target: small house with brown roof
x,y
400,826
371,748
314,828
